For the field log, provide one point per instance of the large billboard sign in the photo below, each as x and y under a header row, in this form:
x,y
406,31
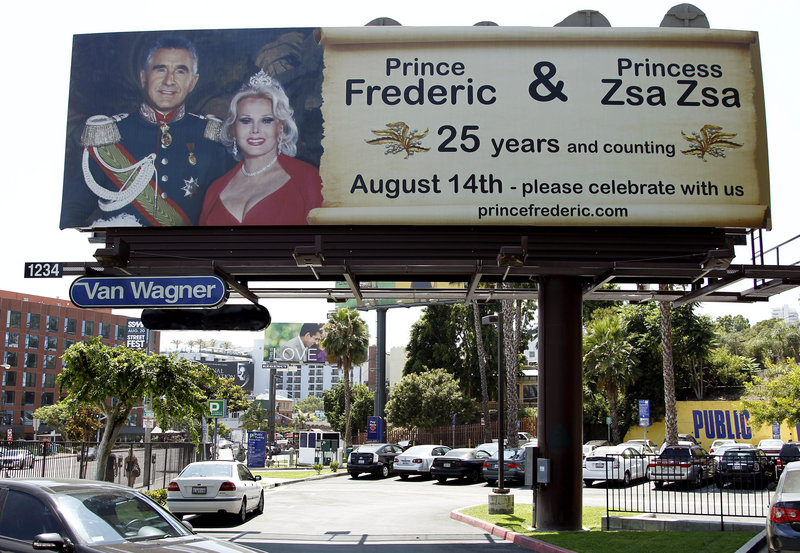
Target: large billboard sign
x,y
293,344
240,371
418,126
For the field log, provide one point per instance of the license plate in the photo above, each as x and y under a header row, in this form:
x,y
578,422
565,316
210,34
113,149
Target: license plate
x,y
446,465
361,461
198,490
492,466
599,465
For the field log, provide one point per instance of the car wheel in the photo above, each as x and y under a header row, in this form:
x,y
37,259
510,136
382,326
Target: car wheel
x,y
353,475
588,483
698,479
403,477
384,471
476,477
242,515
260,507
626,480
441,479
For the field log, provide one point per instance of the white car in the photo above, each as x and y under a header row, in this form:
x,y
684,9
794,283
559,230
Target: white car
x,y
17,458
614,463
645,447
215,487
417,460
717,443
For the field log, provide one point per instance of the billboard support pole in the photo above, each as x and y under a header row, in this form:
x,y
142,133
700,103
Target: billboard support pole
x,y
380,366
560,428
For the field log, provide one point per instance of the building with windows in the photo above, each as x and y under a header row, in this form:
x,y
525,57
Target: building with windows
x,y
35,331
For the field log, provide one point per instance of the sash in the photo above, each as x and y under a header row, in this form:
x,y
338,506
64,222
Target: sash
x,y
135,183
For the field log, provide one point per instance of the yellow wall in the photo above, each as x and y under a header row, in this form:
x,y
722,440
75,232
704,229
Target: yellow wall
x,y
710,420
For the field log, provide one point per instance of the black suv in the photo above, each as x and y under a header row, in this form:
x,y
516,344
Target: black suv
x,y
745,465
789,452
373,459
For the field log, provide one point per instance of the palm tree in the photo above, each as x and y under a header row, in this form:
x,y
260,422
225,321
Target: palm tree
x,y
670,406
255,418
176,342
608,361
345,342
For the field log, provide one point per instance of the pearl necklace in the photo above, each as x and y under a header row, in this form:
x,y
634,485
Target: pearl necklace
x,y
259,171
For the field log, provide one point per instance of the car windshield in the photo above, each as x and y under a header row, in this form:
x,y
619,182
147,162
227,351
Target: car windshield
x,y
677,452
15,452
739,454
418,450
369,448
510,454
114,516
222,470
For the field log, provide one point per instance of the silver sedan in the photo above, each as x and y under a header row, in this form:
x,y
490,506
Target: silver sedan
x,y
417,460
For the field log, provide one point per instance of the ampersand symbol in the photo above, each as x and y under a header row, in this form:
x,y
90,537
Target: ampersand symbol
x,y
543,79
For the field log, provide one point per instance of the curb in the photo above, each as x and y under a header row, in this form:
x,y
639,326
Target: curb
x,y
320,477
517,539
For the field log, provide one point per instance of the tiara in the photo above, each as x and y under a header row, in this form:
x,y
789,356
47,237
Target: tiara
x,y
261,80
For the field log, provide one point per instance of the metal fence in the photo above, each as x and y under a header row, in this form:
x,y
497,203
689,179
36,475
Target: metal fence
x,y
712,496
462,435
78,460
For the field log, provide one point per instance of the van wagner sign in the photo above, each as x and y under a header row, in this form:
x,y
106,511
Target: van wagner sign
x,y
418,126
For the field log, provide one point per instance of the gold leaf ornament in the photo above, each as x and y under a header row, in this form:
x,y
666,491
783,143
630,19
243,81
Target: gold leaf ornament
x,y
398,137
709,141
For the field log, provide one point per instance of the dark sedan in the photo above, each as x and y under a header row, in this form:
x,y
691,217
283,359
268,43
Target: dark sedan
x,y
460,463
745,466
513,466
82,516
373,459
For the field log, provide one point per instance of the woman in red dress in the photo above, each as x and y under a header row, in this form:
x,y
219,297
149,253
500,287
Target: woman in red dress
x,y
269,186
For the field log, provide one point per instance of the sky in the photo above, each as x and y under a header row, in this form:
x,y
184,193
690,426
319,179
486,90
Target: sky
x,y
37,55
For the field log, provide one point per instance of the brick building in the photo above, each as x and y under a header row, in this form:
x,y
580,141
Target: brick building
x,y
34,332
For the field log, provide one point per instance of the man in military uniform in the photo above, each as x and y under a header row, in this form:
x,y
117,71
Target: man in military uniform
x,y
151,168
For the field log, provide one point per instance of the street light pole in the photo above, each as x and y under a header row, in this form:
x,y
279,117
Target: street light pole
x,y
501,392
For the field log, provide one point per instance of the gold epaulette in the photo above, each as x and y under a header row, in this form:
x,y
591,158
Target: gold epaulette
x,y
101,130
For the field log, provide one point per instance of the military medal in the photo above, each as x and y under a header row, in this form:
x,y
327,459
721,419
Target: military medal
x,y
192,157
166,138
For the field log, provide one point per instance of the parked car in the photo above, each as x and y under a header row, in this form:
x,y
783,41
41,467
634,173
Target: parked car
x,y
745,466
215,487
373,459
89,454
619,463
83,516
783,516
417,460
716,443
771,447
720,451
525,437
682,463
789,452
645,447
591,445
491,447
17,458
460,463
513,466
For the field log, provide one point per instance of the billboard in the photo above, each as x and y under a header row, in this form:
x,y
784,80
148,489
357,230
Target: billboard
x,y
240,371
293,343
417,126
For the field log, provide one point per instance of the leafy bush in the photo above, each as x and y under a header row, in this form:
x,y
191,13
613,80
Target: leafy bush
x,y
159,496
334,466
317,468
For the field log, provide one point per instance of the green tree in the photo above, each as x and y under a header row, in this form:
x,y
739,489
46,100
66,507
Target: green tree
x,y
362,405
255,417
608,361
72,420
427,400
346,340
115,380
309,404
776,396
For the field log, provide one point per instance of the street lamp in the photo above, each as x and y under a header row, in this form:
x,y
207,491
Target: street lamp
x,y
501,392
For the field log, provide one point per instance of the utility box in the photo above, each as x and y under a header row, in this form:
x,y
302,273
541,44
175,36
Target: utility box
x,y
531,457
543,471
